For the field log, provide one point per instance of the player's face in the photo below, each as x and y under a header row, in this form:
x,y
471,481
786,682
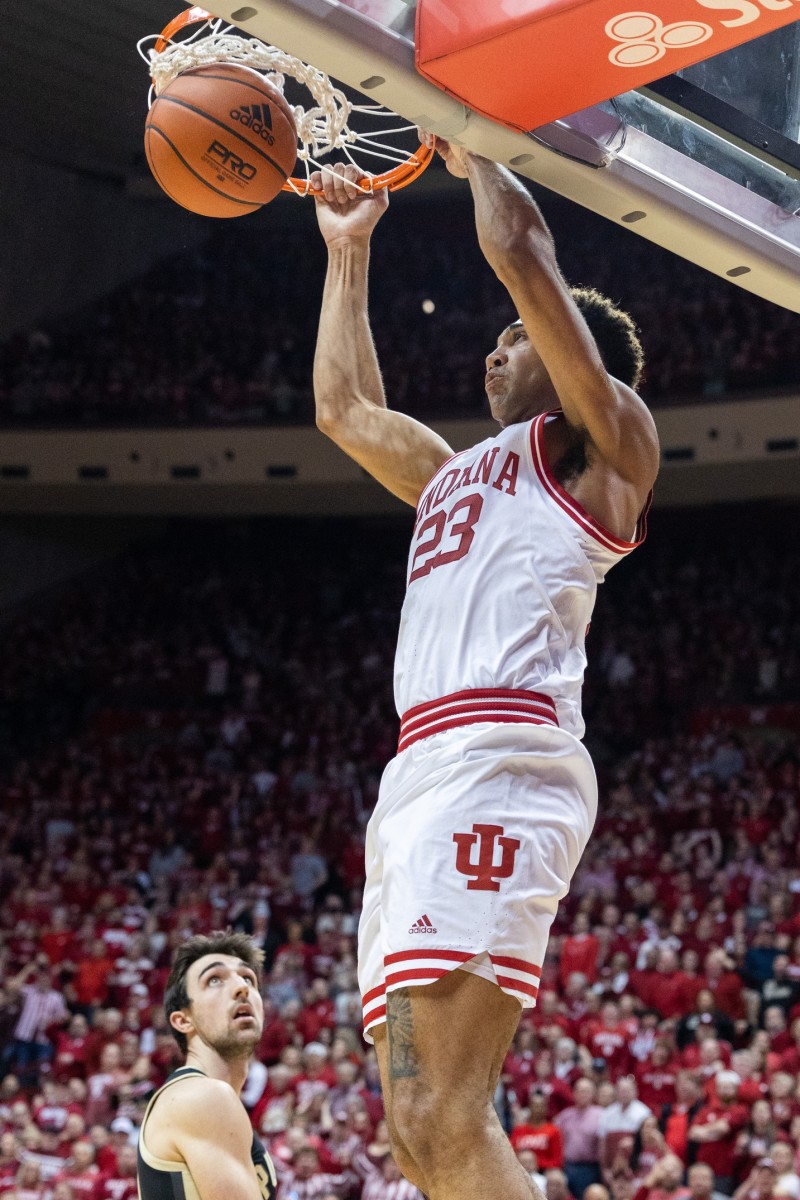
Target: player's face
x,y
517,384
226,1011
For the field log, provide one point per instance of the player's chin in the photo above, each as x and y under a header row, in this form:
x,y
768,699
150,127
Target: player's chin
x,y
496,408
248,1031
241,1037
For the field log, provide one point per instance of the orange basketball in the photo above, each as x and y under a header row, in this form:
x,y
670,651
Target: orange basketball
x,y
220,140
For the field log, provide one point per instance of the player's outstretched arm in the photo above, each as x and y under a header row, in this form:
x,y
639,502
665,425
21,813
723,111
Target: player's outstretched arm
x,y
398,451
519,247
210,1131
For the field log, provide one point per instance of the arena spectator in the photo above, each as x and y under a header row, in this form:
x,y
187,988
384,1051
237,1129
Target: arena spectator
x,y
705,1016
664,1181
304,1180
80,1171
618,1127
596,1191
9,1157
580,1132
529,1163
579,951
42,1007
309,870
656,1077
384,1182
780,990
787,1182
759,1184
649,1147
539,1134
754,1143
715,1129
556,1186
120,1183
700,1181
28,1182
90,983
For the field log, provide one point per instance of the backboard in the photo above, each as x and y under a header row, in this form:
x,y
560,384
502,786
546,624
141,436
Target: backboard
x,y
705,162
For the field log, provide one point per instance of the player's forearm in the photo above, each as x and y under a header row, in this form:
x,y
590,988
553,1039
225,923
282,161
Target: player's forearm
x,y
346,371
510,226
518,245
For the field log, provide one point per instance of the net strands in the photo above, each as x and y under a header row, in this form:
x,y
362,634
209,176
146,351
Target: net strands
x,y
321,129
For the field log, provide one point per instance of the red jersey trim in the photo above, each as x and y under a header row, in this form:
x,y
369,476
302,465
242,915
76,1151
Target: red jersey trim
x,y
604,537
375,1018
368,997
407,955
516,985
516,964
421,967
495,705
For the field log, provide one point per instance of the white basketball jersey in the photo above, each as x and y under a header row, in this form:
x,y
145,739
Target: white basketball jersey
x,y
502,578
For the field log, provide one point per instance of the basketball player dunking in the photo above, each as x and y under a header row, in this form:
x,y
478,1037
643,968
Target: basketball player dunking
x,y
484,813
196,1140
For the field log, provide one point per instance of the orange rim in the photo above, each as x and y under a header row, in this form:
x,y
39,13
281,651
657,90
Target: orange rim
x,y
398,177
189,16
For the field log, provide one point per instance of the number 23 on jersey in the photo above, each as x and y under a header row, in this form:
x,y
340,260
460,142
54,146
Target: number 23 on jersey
x,y
445,537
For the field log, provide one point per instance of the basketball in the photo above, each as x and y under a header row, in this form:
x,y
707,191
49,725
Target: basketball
x,y
220,140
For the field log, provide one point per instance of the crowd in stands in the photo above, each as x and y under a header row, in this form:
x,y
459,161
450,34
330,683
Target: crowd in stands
x,y
225,334
198,736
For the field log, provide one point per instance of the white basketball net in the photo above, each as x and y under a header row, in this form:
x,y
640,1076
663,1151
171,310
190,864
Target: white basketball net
x,y
321,129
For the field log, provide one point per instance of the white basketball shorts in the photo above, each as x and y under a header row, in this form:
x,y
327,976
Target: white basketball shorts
x,y
473,842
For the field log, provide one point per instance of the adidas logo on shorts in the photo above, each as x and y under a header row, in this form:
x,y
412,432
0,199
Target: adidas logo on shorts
x,y
423,925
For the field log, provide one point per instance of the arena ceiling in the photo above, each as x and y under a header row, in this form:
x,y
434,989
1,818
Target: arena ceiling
x,y
73,86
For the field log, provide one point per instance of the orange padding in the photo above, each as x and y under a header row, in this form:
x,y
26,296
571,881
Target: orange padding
x,y
526,62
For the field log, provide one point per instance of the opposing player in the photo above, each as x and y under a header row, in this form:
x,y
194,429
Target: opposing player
x,y
484,813
196,1140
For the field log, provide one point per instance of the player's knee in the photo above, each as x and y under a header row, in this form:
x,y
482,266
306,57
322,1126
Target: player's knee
x,y
408,1167
430,1123
401,1154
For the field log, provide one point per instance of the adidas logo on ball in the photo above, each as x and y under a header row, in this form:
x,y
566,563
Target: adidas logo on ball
x,y
257,117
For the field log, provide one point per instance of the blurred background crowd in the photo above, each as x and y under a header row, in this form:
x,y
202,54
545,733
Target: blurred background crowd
x,y
193,739
224,334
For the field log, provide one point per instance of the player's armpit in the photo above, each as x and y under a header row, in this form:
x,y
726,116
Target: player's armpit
x,y
616,420
401,453
212,1134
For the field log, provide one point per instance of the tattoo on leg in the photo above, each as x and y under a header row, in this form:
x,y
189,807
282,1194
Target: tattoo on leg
x,y
400,1029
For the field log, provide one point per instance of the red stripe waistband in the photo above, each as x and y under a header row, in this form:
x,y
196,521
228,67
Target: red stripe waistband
x,y
497,705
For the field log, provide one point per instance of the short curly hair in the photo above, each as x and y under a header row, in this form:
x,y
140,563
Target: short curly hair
x,y
614,332
238,945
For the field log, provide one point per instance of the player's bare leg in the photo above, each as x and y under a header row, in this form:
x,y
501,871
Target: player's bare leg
x,y
399,1150
440,1058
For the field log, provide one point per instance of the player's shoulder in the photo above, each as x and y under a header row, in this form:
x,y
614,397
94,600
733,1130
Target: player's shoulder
x,y
202,1104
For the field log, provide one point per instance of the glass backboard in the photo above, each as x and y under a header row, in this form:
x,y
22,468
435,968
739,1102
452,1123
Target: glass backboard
x,y
705,163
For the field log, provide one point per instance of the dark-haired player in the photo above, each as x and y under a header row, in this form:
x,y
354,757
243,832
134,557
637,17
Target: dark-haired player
x,y
484,813
196,1140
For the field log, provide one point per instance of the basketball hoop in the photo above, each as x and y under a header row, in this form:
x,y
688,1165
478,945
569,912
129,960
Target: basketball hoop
x,y
332,124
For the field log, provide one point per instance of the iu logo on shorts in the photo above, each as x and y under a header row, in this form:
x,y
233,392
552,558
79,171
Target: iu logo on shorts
x,y
485,874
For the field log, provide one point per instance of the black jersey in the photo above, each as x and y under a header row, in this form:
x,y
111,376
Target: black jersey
x,y
162,1180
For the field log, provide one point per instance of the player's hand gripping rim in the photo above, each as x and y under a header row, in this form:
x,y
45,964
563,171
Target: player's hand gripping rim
x,y
345,210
